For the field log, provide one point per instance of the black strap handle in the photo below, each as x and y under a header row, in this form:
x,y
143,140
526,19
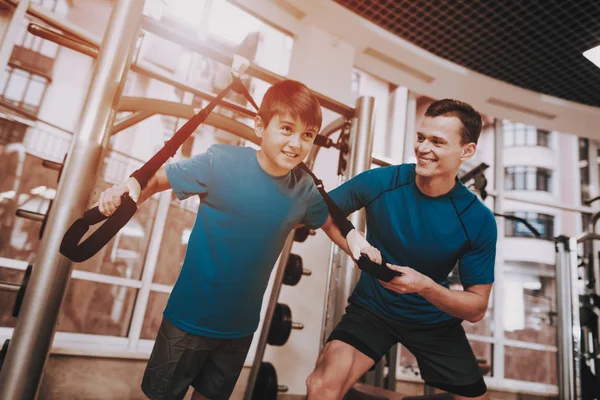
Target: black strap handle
x,y
71,247
78,252
379,271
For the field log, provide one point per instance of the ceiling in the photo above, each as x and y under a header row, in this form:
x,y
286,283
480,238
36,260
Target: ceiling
x,y
534,44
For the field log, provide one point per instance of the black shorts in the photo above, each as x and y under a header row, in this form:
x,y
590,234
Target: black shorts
x,y
444,355
180,359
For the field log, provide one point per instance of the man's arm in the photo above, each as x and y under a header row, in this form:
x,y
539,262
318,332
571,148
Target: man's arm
x,y
469,304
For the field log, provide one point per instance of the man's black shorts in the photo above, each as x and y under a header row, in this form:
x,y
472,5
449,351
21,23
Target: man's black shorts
x,y
180,359
444,355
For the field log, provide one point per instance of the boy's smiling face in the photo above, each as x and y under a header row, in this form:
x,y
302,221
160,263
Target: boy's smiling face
x,y
287,140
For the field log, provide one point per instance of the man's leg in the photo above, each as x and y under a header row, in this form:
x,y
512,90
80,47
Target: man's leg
x,y
482,397
446,360
198,396
357,342
339,366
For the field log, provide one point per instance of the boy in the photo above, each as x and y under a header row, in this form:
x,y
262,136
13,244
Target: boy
x,y
251,200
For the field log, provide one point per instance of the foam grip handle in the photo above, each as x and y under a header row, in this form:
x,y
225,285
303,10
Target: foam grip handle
x,y
78,252
379,271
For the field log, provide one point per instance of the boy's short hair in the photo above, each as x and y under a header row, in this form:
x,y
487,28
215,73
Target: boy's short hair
x,y
291,97
470,119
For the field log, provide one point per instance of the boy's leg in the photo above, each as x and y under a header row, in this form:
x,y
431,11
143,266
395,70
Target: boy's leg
x,y
176,360
355,345
222,369
446,360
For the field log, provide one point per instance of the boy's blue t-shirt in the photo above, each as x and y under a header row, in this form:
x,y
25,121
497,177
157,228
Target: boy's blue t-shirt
x,y
242,223
428,234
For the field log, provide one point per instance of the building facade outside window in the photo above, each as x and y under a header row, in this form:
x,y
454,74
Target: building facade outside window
x,y
527,178
518,134
23,90
544,223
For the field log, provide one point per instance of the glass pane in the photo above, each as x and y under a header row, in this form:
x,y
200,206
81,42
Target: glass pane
x,y
61,8
190,12
509,138
3,82
484,354
530,365
483,327
154,314
519,135
7,299
530,304
519,180
408,362
35,91
125,254
19,237
97,308
16,85
28,42
22,34
37,44
173,246
230,23
49,4
49,49
531,136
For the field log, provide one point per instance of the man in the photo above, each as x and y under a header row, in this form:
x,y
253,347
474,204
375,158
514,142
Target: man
x,y
424,221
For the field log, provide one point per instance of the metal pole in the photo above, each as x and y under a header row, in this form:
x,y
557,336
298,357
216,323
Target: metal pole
x,y
498,350
264,333
566,385
594,191
573,278
361,149
10,36
359,160
32,337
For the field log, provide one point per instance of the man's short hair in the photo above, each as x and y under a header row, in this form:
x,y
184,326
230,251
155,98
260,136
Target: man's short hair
x,y
470,119
291,97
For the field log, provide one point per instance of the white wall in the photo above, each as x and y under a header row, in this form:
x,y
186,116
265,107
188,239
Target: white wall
x,y
526,249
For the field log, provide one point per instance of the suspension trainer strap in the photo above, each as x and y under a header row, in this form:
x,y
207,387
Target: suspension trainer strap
x,y
71,247
379,271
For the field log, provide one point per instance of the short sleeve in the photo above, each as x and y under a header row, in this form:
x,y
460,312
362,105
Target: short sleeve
x,y
191,177
355,193
476,267
316,211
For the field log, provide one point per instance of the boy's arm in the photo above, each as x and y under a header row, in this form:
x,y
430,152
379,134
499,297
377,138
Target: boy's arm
x,y
331,230
110,199
158,183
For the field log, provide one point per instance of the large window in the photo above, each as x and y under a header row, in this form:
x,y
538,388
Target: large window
x,y
518,134
528,178
543,223
23,89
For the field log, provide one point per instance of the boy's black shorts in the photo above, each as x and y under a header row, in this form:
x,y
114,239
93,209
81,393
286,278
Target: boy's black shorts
x,y
444,355
180,359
